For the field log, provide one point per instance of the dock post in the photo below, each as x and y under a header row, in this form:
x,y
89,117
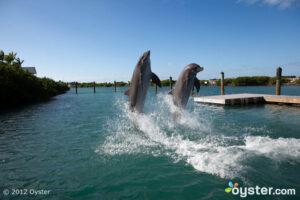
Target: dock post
x,y
155,88
94,87
222,83
171,83
278,81
115,86
76,85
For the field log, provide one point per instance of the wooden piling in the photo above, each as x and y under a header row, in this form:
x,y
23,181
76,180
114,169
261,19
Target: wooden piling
x,y
155,88
94,87
115,86
76,85
278,81
222,83
171,83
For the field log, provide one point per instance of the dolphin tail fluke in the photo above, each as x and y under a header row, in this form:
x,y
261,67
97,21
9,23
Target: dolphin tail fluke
x,y
127,92
155,79
197,84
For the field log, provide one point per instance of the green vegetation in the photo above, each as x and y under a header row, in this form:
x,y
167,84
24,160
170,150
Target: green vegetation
x,y
243,81
119,84
239,81
106,84
18,87
252,81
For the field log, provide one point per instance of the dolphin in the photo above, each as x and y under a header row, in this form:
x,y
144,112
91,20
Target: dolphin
x,y
140,83
186,81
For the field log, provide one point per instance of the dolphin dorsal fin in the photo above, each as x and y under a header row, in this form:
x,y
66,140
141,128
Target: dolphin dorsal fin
x,y
197,84
171,92
127,92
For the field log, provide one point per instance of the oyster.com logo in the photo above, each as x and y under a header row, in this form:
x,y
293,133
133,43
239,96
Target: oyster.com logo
x,y
231,185
258,190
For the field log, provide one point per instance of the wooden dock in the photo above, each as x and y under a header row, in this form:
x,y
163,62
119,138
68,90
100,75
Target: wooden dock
x,y
245,98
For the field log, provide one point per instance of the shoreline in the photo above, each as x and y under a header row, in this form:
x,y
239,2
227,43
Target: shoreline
x,y
201,86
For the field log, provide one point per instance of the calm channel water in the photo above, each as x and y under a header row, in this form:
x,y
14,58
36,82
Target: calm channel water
x,y
85,147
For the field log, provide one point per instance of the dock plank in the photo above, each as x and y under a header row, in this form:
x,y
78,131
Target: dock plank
x,y
245,98
282,99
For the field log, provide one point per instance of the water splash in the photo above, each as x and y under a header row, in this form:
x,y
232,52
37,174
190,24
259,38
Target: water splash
x,y
191,139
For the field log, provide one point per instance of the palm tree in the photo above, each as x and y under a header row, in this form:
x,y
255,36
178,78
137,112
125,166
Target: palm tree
x,y
18,62
10,57
2,55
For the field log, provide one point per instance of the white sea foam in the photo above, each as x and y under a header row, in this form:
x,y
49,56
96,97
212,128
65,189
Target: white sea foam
x,y
279,149
206,152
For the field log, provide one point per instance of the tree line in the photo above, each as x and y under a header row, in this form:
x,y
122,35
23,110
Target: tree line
x,y
105,84
239,81
18,87
254,81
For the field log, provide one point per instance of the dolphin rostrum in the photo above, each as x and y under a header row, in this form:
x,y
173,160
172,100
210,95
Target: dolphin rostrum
x,y
186,81
140,83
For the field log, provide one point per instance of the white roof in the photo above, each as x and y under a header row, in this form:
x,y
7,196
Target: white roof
x,y
30,69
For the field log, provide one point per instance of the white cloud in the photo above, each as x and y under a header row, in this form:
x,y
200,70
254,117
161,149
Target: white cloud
x,y
282,4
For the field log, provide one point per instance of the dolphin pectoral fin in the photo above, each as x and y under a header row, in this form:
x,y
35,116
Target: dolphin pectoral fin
x,y
197,84
155,79
171,92
127,92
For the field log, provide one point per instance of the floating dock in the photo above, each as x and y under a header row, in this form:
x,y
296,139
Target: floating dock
x,y
245,98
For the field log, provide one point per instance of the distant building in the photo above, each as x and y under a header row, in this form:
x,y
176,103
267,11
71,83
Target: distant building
x,y
293,80
30,69
212,81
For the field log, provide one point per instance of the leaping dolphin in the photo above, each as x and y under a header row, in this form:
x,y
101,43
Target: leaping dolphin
x,y
187,79
140,83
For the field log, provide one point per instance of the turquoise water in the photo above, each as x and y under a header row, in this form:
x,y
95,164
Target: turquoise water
x,y
85,147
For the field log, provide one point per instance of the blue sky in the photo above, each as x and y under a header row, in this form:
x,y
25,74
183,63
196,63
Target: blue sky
x,y
102,40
